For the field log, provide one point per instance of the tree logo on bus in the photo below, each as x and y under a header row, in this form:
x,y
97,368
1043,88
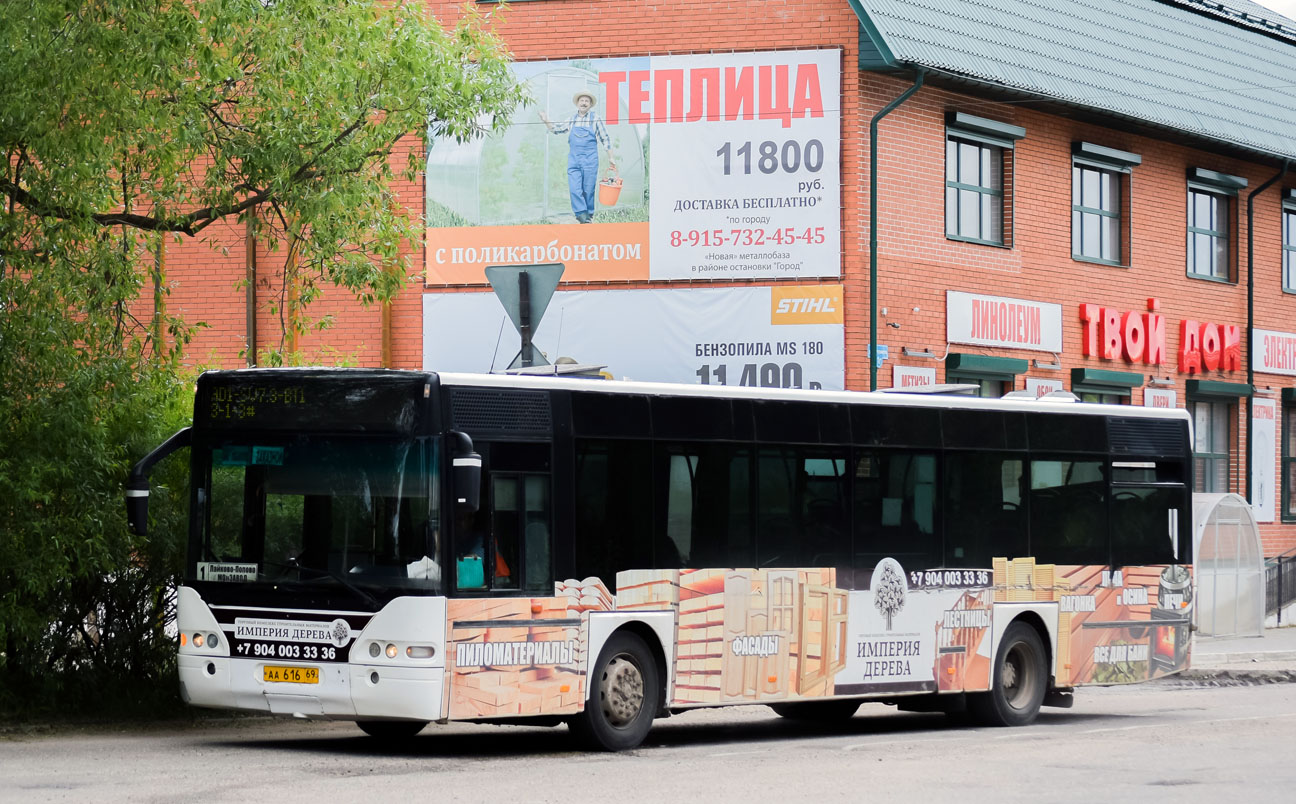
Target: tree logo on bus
x,y
341,632
889,589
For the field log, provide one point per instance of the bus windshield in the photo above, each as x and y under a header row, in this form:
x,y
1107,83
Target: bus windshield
x,y
356,512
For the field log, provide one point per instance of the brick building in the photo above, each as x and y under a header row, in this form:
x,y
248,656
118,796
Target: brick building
x,y
1092,197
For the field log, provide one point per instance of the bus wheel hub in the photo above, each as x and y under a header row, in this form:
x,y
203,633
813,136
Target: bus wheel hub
x,y
621,691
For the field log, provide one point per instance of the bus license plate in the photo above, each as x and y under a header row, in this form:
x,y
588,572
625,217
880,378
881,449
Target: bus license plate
x,y
292,675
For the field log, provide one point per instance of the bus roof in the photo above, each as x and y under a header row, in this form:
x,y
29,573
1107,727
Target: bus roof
x,y
892,399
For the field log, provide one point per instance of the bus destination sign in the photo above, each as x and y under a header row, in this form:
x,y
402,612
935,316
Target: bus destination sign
x,y
242,403
226,571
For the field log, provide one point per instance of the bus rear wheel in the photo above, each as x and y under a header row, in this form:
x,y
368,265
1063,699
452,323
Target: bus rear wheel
x,y
831,711
624,696
1019,682
391,729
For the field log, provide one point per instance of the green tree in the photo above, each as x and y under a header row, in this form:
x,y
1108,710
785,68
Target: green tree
x,y
127,122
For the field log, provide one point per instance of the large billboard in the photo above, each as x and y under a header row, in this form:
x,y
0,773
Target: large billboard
x,y
707,166
787,336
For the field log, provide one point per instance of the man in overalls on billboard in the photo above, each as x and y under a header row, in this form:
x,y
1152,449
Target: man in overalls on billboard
x,y
585,132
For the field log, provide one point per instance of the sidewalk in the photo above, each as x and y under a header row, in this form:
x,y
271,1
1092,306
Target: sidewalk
x,y
1271,657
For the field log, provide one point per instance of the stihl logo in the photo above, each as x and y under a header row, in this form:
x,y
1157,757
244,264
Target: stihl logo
x,y
793,306
813,304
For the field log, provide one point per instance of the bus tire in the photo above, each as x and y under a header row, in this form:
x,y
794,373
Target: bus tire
x,y
391,729
830,711
1019,682
624,696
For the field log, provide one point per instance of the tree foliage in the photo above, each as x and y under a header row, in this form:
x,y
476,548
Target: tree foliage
x,y
125,123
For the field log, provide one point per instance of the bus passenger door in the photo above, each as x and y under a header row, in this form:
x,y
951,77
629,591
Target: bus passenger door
x,y
508,544
520,527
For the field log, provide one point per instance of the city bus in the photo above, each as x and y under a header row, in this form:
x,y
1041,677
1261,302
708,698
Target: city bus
x,y
397,547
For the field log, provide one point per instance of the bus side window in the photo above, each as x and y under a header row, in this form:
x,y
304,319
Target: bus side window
x,y
1068,512
895,509
801,508
1148,525
614,507
680,495
708,514
985,508
776,532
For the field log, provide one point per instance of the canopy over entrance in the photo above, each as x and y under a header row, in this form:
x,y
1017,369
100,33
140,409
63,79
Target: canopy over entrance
x,y
1229,566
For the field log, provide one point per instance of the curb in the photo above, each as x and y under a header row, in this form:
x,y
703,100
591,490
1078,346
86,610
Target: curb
x,y
1230,678
1244,657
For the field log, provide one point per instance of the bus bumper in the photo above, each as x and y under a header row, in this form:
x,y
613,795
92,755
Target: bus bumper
x,y
344,691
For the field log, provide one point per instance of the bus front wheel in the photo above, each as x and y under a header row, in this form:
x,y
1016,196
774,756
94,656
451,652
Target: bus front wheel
x,y
624,696
1019,682
391,729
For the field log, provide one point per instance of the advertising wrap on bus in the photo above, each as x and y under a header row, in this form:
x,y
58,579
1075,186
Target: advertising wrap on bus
x,y
747,635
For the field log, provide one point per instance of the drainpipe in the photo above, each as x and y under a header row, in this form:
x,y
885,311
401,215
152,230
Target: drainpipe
x,y
1250,333
250,269
873,217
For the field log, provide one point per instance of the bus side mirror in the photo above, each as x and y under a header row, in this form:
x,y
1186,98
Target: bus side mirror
x,y
137,494
467,481
466,476
137,487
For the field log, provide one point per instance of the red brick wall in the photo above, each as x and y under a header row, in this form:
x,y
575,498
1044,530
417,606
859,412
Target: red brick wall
x,y
917,263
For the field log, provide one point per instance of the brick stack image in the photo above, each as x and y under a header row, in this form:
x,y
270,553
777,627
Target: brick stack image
x,y
582,596
648,590
701,636
497,669
960,662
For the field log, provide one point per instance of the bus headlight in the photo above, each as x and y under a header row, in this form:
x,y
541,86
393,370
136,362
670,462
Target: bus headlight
x,y
374,650
391,651
197,640
420,651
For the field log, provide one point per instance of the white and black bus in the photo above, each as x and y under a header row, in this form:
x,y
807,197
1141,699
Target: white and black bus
x,y
396,548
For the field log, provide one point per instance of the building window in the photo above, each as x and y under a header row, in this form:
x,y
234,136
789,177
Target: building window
x,y
1095,214
974,191
978,179
992,375
1100,202
1289,456
988,387
1211,420
1289,245
1208,245
1210,223
1102,398
1104,386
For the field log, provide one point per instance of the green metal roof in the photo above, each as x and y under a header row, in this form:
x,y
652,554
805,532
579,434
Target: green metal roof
x,y
1217,388
987,365
1224,71
1103,378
